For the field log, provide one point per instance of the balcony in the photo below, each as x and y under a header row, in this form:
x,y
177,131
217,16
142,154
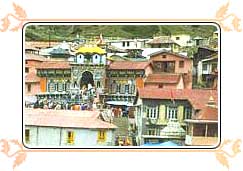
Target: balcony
x,y
201,140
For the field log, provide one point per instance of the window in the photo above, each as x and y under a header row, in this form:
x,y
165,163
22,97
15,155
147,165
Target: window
x,y
101,136
161,85
152,112
171,112
51,86
118,88
181,64
151,131
60,87
98,84
123,44
214,67
126,89
70,137
128,43
67,86
187,113
29,88
163,56
177,38
26,70
205,67
27,135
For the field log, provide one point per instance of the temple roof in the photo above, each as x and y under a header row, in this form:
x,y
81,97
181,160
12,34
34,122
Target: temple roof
x,y
91,49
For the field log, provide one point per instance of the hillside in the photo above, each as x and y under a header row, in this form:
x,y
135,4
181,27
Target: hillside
x,y
69,32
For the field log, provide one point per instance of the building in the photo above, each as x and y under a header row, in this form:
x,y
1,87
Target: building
x,y
89,67
164,42
55,78
32,81
161,114
123,78
128,43
165,80
207,54
207,72
184,40
66,128
172,63
202,128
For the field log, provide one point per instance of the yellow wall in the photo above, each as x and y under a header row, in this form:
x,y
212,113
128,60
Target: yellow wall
x,y
180,113
162,114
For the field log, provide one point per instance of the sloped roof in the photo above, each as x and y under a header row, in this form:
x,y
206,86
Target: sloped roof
x,y
35,57
65,119
91,49
167,52
163,78
162,40
198,97
207,113
54,65
128,65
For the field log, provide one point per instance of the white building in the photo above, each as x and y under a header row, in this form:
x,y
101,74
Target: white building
x,y
128,43
66,128
184,40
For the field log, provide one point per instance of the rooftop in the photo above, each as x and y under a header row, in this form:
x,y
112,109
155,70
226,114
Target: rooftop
x,y
197,97
54,65
163,78
91,49
162,40
65,119
167,52
35,57
128,65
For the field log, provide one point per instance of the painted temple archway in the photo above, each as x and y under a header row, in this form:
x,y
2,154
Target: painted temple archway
x,y
86,78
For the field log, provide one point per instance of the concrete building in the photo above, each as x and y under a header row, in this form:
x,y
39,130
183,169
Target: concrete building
x,y
128,43
172,63
164,42
66,128
156,108
184,40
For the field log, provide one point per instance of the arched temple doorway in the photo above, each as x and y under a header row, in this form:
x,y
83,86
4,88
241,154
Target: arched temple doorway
x,y
87,78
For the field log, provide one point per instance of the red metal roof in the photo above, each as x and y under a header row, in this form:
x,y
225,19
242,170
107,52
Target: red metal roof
x,y
162,40
54,65
197,97
65,119
163,78
207,113
128,65
32,78
34,57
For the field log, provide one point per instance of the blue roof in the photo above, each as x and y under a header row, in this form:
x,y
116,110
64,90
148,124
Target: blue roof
x,y
168,143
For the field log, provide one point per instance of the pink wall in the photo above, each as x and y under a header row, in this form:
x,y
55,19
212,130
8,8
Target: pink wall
x,y
35,88
170,57
165,86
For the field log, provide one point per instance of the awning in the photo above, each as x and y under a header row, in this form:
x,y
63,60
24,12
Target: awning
x,y
168,144
119,103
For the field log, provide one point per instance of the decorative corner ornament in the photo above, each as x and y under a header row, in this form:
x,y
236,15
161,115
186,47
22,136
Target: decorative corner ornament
x,y
228,21
16,156
223,156
13,21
